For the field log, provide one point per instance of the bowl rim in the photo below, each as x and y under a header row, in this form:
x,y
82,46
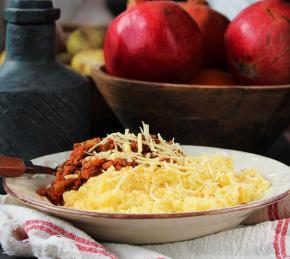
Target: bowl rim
x,y
114,215
98,72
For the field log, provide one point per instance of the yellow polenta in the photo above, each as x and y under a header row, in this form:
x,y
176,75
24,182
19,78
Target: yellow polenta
x,y
197,183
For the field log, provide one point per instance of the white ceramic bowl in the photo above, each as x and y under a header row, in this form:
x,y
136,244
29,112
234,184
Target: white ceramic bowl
x,y
156,228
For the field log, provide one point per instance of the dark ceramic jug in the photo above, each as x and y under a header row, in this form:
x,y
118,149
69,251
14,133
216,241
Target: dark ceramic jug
x,y
44,107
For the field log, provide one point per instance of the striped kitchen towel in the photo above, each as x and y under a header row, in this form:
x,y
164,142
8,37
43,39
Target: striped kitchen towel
x,y
27,232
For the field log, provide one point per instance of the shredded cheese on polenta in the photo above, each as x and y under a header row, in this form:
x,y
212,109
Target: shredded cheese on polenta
x,y
164,181
122,142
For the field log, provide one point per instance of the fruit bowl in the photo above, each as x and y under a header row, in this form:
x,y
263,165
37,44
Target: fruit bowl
x,y
247,118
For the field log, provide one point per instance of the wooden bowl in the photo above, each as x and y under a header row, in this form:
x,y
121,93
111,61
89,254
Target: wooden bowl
x,y
238,117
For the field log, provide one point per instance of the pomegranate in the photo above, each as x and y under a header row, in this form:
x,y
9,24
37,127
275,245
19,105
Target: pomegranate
x,y
258,43
213,26
154,41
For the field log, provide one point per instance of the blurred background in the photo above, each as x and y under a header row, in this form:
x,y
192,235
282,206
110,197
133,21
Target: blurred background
x,y
101,12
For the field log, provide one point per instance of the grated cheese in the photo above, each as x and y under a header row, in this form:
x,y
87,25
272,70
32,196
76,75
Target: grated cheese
x,y
165,180
160,150
71,176
206,182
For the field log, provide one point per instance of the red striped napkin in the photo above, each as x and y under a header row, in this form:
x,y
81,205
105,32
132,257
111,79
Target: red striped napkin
x,y
268,240
276,211
26,232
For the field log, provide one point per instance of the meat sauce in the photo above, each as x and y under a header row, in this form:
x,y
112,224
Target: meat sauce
x,y
73,173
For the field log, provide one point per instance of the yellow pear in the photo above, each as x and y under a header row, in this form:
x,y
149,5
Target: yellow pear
x,y
85,38
86,59
2,57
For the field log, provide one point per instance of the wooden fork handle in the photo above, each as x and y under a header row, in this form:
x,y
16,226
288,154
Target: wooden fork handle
x,y
11,167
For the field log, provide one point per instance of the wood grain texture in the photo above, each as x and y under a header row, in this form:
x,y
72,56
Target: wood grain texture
x,y
239,117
